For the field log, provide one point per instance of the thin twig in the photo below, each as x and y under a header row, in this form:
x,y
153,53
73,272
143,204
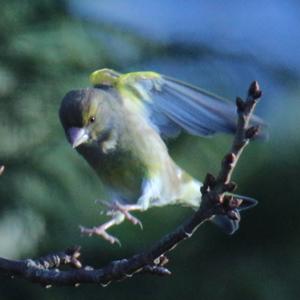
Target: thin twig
x,y
215,200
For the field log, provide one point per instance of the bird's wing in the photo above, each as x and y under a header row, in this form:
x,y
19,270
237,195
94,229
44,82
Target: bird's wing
x,y
174,105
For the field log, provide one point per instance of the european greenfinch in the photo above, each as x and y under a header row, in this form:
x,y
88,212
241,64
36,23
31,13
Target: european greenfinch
x,y
120,126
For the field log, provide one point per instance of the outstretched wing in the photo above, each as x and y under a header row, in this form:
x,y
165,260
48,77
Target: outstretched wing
x,y
174,106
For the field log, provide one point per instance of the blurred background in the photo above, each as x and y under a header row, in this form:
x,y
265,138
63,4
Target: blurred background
x,y
49,47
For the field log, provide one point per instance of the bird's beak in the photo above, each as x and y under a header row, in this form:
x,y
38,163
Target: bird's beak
x,y
77,136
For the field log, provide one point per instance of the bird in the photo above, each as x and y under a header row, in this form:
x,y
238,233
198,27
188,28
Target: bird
x,y
121,125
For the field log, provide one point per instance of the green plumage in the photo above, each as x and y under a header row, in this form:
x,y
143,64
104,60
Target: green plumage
x,y
119,170
119,127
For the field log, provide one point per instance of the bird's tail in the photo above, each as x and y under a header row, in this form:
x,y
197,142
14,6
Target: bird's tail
x,y
190,195
229,225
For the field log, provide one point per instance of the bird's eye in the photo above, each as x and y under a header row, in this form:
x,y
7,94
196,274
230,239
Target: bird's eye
x,y
92,119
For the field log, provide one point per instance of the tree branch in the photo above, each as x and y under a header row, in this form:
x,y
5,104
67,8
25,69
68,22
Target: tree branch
x,y
215,200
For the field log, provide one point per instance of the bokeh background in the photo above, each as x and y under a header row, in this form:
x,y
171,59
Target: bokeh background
x,y
48,47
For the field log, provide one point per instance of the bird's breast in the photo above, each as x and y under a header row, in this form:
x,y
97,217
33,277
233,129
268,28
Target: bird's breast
x,y
120,171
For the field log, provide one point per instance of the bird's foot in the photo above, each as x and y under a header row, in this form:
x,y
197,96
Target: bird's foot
x,y
125,209
100,231
118,212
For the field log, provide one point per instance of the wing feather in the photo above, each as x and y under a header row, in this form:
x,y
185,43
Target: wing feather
x,y
174,106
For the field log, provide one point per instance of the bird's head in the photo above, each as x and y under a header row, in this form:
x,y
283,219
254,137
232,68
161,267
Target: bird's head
x,y
87,115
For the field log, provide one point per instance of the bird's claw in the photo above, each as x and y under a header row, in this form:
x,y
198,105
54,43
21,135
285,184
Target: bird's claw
x,y
116,206
100,231
125,210
118,212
